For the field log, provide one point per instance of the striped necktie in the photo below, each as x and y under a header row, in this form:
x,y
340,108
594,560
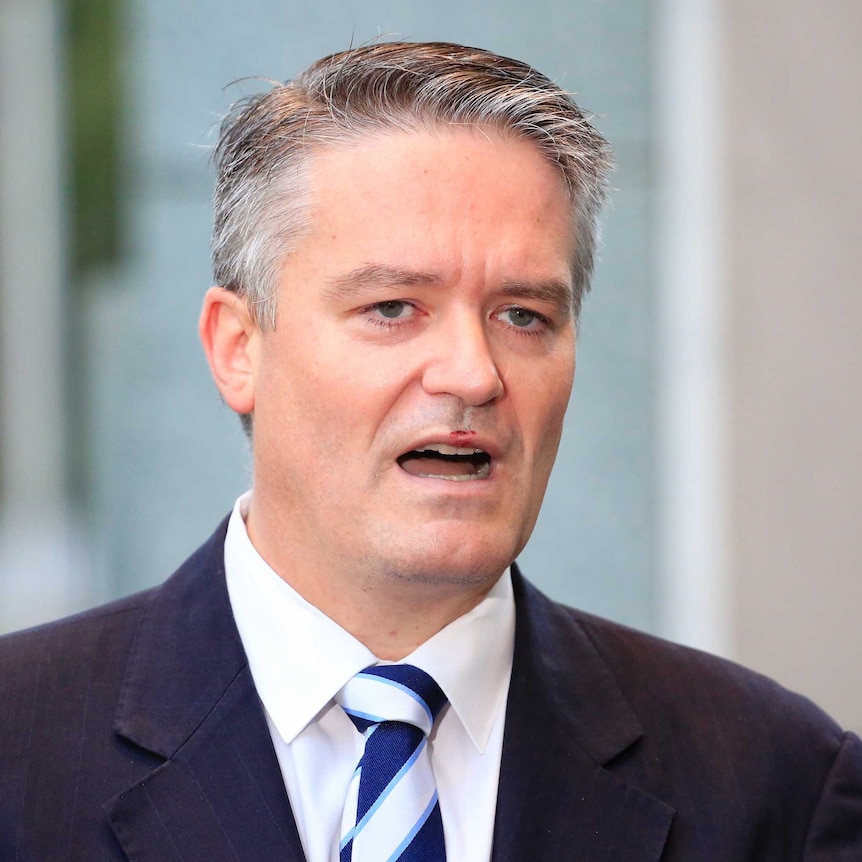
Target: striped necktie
x,y
392,812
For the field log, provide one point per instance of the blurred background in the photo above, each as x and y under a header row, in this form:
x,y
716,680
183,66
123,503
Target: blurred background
x,y
709,485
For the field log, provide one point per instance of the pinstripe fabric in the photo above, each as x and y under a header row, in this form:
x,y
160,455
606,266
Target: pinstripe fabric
x,y
392,812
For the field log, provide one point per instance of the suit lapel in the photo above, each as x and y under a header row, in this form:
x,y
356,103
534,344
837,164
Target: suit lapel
x,y
566,721
188,696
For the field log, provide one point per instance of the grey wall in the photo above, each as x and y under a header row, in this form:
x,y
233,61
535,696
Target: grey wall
x,y
795,314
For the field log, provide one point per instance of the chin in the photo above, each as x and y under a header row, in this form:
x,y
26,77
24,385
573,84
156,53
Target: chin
x,y
453,557
439,579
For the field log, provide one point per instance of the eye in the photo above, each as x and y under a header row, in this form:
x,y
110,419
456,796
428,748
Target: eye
x,y
391,309
390,313
528,322
519,317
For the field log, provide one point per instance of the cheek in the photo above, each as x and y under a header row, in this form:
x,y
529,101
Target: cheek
x,y
335,410
548,401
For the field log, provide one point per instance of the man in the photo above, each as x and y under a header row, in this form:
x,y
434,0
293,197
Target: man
x,y
403,237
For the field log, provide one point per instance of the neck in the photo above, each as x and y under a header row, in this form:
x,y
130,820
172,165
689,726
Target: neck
x,y
388,614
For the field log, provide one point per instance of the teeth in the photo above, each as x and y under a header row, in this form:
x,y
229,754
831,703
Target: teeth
x,y
446,449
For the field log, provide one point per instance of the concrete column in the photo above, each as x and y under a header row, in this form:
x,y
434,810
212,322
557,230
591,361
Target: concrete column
x,y
691,314
37,556
792,134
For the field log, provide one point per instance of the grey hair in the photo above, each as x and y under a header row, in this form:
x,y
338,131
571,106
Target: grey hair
x,y
262,155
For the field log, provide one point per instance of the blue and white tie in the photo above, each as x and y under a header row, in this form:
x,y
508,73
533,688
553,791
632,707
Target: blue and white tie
x,y
392,812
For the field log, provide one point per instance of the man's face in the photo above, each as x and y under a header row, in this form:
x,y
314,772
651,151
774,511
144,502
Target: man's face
x,y
409,403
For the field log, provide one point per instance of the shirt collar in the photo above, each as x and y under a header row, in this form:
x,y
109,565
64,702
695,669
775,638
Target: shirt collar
x,y
471,660
299,658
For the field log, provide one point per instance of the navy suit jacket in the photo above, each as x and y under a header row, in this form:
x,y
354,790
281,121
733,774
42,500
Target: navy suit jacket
x,y
134,732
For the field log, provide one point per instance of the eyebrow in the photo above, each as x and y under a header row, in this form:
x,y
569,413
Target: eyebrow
x,y
376,275
553,291
358,280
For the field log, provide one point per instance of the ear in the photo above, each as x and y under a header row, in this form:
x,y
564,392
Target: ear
x,y
230,340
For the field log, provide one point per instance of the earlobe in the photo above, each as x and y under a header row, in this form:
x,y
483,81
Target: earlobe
x,y
229,337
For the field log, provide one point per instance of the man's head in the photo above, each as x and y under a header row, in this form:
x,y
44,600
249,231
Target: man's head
x,y
261,197
403,238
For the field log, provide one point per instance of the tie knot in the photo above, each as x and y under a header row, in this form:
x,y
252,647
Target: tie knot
x,y
396,692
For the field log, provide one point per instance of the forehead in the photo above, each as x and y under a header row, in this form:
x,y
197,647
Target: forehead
x,y
434,147
442,188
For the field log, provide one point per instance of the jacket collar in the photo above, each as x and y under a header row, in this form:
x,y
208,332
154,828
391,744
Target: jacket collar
x,y
566,722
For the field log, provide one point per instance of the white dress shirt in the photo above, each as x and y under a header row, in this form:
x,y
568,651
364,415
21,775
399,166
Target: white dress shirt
x,y
300,658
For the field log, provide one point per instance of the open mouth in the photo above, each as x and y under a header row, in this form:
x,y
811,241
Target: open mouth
x,y
441,461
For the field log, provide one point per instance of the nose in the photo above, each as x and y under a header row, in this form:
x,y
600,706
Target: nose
x,y
461,363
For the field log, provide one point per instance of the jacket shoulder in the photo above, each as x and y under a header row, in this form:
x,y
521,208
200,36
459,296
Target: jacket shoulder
x,y
103,633
92,635
751,769
666,679
64,686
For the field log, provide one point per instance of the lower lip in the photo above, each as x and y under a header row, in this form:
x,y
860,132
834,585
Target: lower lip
x,y
477,483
